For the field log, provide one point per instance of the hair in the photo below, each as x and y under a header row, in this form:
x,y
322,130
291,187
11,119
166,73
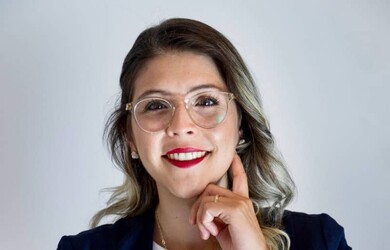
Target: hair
x,y
270,185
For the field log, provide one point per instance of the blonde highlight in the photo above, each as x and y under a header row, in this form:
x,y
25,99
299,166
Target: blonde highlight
x,y
270,185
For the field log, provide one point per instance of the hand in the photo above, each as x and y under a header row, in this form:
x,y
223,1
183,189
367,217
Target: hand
x,y
230,217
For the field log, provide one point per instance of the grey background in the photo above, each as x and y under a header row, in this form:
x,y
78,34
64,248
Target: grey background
x,y
322,66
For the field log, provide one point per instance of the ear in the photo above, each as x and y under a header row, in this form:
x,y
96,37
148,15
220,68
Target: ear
x,y
241,134
240,130
131,144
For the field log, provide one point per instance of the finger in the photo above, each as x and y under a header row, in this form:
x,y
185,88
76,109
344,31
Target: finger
x,y
206,216
204,232
210,191
240,182
194,210
208,223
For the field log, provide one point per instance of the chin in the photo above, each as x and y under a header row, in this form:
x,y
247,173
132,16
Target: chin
x,y
188,194
188,191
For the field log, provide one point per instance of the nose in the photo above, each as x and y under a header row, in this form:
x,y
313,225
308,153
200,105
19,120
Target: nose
x,y
181,123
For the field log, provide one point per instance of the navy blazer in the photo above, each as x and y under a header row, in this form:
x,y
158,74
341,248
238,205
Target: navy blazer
x,y
306,232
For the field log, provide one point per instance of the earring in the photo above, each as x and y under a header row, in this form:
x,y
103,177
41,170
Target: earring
x,y
242,141
134,155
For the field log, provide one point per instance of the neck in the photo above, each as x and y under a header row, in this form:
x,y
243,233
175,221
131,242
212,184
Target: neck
x,y
173,214
175,228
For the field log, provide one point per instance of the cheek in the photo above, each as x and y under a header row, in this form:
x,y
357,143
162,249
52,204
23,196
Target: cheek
x,y
226,140
148,146
226,137
141,140
228,133
146,143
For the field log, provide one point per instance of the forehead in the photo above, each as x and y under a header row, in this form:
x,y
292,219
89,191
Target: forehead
x,y
178,73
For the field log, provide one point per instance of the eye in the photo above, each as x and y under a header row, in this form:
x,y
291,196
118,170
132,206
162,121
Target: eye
x,y
206,101
154,105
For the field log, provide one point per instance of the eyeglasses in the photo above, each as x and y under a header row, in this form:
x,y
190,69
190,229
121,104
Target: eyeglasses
x,y
206,109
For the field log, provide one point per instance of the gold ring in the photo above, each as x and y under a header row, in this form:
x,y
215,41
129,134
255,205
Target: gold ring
x,y
216,198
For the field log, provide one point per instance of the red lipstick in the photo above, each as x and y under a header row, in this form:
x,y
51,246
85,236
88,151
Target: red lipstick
x,y
184,150
185,157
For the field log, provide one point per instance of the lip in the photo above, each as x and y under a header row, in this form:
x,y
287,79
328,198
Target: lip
x,y
185,163
184,150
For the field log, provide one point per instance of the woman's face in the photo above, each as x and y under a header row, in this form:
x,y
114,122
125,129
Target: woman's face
x,y
174,76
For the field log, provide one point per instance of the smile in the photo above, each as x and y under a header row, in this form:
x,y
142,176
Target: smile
x,y
186,156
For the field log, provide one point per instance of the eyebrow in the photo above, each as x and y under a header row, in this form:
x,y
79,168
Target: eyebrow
x,y
167,93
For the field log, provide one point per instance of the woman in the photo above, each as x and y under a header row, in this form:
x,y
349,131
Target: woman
x,y
201,167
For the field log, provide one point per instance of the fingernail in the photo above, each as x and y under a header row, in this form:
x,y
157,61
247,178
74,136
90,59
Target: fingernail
x,y
205,235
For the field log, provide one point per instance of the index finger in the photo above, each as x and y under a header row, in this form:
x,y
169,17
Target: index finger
x,y
240,182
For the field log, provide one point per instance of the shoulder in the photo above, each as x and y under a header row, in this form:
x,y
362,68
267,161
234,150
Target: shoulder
x,y
313,231
127,233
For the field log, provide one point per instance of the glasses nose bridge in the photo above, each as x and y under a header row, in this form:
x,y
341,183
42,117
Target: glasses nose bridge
x,y
176,106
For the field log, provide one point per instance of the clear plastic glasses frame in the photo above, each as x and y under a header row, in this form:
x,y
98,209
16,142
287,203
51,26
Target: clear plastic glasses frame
x,y
206,109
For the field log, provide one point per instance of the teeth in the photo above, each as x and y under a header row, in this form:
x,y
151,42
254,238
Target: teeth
x,y
186,156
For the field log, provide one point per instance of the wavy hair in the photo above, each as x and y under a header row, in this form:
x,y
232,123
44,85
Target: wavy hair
x,y
270,185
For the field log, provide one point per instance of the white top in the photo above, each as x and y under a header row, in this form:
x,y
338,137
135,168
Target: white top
x,y
157,246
